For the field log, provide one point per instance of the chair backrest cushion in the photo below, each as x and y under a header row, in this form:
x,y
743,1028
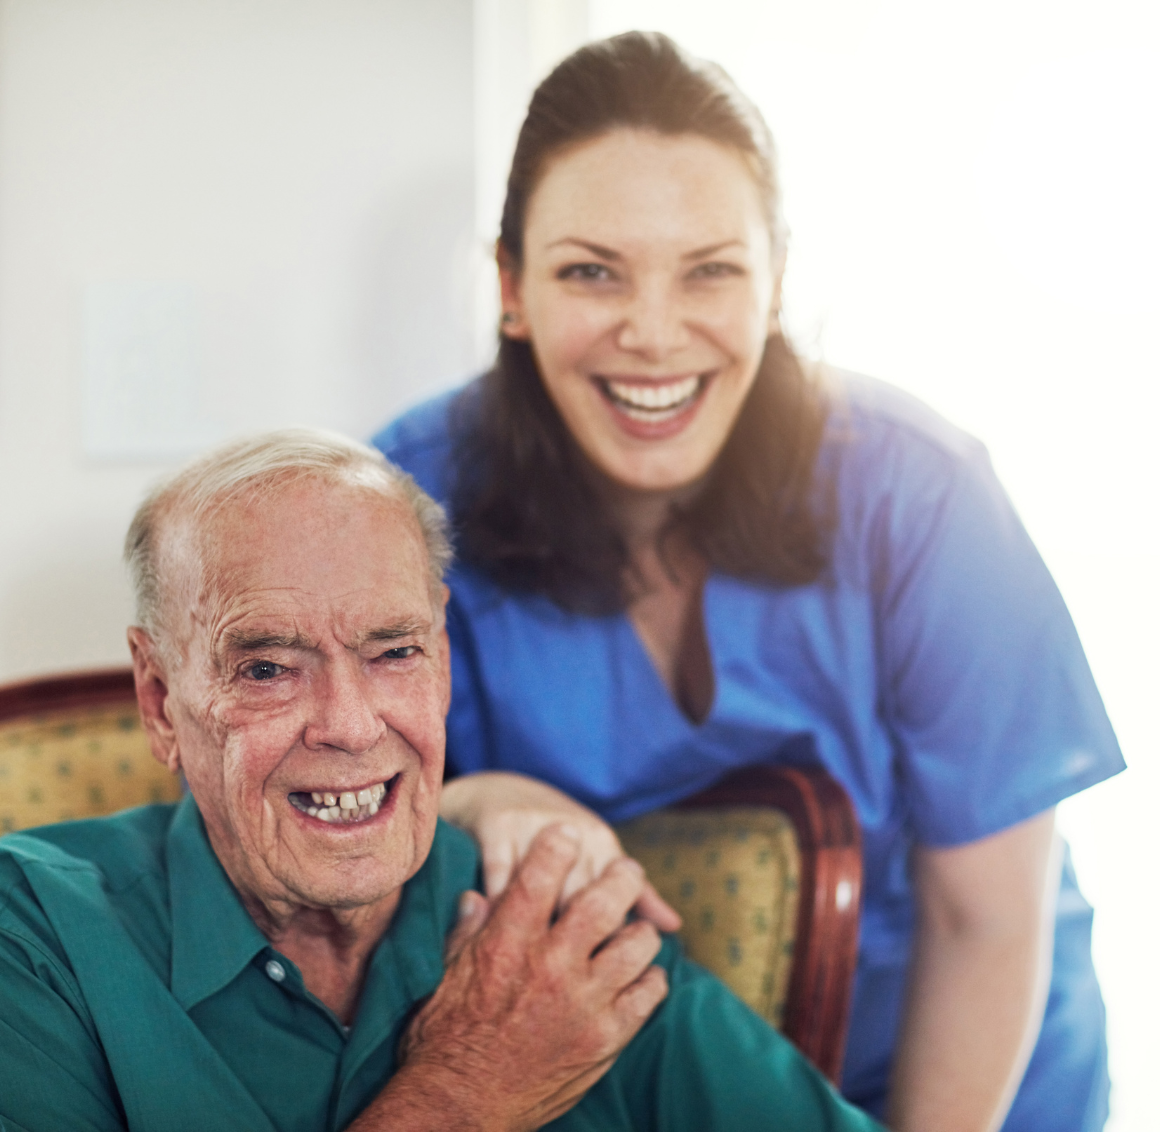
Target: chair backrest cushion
x,y
734,875
77,763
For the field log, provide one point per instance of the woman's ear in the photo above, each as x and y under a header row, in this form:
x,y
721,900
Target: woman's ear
x,y
152,698
775,301
512,323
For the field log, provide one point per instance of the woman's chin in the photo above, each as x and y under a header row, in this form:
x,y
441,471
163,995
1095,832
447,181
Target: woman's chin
x,y
673,469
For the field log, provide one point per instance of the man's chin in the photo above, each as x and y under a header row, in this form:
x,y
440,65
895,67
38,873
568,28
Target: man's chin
x,y
352,875
346,868
347,887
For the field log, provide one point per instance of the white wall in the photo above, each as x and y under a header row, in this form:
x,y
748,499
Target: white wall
x,y
517,42
973,196
284,189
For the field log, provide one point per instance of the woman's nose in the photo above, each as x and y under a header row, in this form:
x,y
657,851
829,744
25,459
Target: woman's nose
x,y
653,325
343,716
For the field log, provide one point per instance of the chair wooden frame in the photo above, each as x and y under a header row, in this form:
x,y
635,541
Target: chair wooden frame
x,y
826,944
76,690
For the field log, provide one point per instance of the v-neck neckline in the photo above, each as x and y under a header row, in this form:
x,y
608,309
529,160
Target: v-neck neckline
x,y
660,688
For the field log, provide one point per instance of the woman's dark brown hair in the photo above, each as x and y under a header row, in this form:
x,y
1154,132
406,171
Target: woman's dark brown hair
x,y
525,504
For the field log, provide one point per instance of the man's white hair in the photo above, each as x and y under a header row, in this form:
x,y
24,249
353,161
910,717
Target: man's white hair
x,y
252,468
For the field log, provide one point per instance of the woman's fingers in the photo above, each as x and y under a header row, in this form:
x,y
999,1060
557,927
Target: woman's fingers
x,y
599,847
652,907
506,835
500,855
535,887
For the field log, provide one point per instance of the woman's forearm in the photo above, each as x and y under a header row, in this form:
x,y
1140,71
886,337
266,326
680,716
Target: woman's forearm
x,y
972,1017
978,982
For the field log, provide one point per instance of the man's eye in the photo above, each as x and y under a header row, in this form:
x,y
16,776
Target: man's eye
x,y
401,653
586,271
264,670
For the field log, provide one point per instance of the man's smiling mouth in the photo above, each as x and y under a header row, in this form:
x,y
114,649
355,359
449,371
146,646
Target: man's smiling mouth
x,y
343,807
653,402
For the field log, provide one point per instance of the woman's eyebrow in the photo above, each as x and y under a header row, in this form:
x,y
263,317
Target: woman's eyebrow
x,y
596,249
713,249
611,256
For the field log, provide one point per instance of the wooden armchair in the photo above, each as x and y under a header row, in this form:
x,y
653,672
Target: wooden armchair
x,y
765,868
72,747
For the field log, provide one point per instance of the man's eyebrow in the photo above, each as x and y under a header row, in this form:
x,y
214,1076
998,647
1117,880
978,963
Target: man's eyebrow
x,y
392,632
597,250
712,249
238,640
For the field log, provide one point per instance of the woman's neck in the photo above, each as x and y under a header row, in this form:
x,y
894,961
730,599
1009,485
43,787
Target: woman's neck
x,y
642,516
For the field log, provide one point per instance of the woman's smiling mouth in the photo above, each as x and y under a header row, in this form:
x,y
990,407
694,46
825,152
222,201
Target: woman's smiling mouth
x,y
653,403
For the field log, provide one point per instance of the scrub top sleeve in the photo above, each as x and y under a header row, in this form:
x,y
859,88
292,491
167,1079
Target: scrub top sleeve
x,y
993,710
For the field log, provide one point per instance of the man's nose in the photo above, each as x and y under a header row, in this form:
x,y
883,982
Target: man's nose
x,y
654,325
343,716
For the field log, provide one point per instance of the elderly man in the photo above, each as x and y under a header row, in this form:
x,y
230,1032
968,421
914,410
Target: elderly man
x,y
297,944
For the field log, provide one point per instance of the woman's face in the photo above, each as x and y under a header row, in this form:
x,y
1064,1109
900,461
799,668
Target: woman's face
x,y
648,289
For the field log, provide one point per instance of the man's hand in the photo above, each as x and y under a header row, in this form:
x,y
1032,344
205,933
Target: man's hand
x,y
530,1013
504,812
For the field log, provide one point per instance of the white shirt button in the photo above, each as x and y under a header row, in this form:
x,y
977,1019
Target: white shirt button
x,y
275,970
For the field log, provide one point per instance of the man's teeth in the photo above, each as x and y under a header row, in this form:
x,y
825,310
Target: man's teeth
x,y
346,806
654,399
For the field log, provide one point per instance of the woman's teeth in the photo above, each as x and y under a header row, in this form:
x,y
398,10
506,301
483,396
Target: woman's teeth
x,y
655,401
344,807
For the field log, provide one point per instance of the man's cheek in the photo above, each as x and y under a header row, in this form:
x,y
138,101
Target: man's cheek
x,y
250,756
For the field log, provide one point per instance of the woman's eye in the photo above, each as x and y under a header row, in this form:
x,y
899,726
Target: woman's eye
x,y
264,670
585,271
715,270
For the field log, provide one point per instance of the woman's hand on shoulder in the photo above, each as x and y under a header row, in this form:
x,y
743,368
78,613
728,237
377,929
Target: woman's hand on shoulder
x,y
504,812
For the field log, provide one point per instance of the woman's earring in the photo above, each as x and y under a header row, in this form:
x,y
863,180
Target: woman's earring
x,y
508,318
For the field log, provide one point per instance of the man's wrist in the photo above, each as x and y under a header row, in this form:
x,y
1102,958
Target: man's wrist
x,y
429,1097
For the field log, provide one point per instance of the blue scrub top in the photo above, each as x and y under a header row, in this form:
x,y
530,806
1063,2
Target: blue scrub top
x,y
934,671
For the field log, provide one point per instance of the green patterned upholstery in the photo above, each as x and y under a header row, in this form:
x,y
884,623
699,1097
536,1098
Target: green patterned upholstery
x,y
77,763
734,875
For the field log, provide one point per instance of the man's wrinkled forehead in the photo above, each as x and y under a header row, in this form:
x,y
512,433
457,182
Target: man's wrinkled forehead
x,y
208,560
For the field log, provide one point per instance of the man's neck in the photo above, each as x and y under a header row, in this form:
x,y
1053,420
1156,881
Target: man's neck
x,y
331,947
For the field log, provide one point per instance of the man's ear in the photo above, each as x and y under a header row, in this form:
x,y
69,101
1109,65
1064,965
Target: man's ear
x,y
512,323
152,698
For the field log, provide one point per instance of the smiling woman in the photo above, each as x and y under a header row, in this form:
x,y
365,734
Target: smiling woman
x,y
642,332
682,554
640,255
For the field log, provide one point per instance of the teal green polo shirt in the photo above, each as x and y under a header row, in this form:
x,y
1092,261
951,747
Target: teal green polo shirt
x,y
137,993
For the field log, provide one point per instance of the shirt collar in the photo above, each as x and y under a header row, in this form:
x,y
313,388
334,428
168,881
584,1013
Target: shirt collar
x,y
214,937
